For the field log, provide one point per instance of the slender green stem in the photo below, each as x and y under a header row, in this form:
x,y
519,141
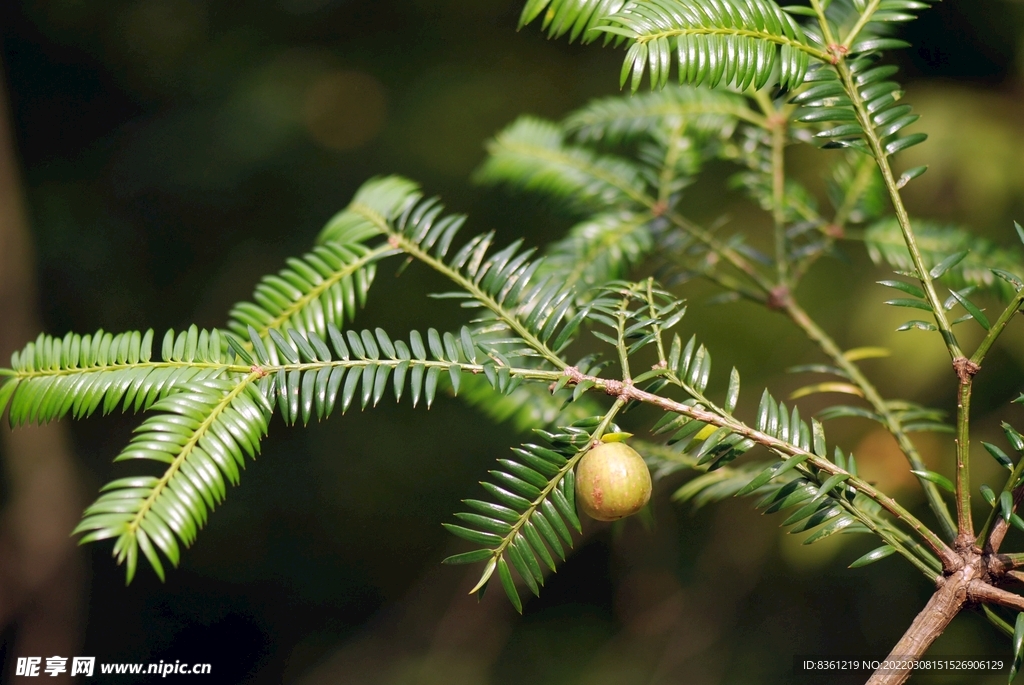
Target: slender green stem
x,y
107,368
865,17
779,198
673,149
722,250
546,375
865,172
889,538
965,372
731,31
881,158
413,250
998,327
620,337
826,28
891,421
653,311
965,524
777,120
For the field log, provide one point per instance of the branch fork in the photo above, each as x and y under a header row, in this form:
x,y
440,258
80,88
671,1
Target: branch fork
x,y
836,52
778,298
965,369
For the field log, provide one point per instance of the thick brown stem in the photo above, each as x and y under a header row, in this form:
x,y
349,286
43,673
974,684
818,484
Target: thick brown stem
x,y
980,591
946,603
929,624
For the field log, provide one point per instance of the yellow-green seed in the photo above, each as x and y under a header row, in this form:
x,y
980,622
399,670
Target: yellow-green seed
x,y
612,482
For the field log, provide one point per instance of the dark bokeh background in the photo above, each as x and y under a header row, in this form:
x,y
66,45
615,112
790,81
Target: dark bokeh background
x,y
173,151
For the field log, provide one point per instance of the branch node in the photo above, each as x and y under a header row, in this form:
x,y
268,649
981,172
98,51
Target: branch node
x,y
964,545
258,370
777,120
778,298
999,565
834,231
615,388
965,369
837,52
575,375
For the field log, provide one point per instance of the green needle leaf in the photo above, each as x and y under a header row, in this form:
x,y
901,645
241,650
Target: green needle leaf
x,y
948,263
937,478
997,454
874,555
1006,505
972,309
509,585
1018,646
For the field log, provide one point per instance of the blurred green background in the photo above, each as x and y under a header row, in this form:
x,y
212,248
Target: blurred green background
x,y
173,151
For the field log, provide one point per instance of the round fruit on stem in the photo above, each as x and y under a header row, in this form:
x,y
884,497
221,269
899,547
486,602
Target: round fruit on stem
x,y
612,482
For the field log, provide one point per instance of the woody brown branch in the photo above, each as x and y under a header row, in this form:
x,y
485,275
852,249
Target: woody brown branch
x,y
950,597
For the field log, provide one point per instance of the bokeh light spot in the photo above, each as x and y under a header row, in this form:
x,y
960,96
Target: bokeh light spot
x,y
344,109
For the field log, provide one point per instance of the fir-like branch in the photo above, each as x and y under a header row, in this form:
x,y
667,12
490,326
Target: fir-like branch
x,y
884,12
575,17
983,265
731,42
700,112
213,399
536,506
